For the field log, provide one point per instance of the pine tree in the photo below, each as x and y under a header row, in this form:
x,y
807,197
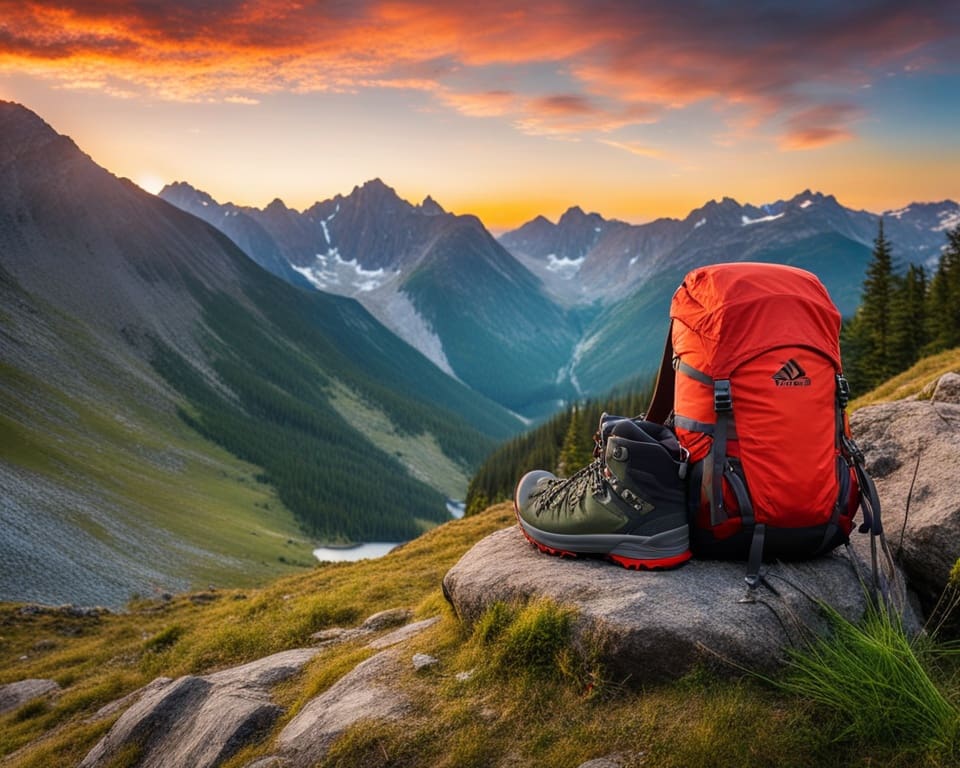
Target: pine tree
x,y
854,349
576,451
908,318
943,306
874,326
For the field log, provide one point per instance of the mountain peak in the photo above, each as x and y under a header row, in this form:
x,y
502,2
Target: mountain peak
x,y
575,217
431,207
374,195
14,114
181,191
576,214
276,206
178,186
22,129
374,187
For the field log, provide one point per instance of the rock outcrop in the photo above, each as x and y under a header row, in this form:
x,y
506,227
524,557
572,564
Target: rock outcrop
x,y
203,720
200,721
913,453
660,624
14,695
654,625
365,693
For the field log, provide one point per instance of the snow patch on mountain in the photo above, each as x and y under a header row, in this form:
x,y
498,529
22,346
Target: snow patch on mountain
x,y
563,267
330,272
746,220
948,220
806,203
700,223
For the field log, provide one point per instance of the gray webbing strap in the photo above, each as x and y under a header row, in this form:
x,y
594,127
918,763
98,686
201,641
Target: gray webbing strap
x,y
755,558
688,370
723,405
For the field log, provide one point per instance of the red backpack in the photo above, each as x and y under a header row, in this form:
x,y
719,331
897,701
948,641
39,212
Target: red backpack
x,y
752,381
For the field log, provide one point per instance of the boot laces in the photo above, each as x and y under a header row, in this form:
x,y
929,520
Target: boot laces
x,y
572,490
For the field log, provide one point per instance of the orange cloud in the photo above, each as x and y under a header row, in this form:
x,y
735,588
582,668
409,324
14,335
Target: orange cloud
x,y
485,104
634,148
819,126
561,67
811,138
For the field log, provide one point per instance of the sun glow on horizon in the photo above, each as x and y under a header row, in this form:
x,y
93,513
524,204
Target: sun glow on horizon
x,y
150,182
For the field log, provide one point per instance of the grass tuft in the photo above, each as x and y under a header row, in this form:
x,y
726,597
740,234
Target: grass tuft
x,y
876,684
532,639
164,639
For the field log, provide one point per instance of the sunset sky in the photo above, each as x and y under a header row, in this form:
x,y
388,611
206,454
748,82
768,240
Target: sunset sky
x,y
506,110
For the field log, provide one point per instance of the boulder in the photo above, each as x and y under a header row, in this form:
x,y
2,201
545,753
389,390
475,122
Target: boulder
x,y
204,720
655,625
117,706
403,633
14,695
912,449
200,721
391,617
366,693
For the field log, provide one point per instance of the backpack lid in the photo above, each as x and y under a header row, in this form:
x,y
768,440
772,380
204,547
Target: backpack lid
x,y
738,310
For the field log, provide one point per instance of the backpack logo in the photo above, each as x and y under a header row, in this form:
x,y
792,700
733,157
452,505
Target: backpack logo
x,y
791,375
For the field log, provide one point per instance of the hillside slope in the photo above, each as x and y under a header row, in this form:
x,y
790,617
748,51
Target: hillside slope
x,y
123,319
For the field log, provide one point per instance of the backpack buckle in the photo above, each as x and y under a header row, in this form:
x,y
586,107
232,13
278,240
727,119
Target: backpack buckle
x,y
722,399
843,391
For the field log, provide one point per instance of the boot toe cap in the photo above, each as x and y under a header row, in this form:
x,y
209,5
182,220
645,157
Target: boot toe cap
x,y
525,488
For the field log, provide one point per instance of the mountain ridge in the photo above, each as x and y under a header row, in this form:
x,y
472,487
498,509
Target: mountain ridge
x,y
587,280
625,255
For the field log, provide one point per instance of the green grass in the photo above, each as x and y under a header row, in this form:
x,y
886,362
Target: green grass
x,y
527,696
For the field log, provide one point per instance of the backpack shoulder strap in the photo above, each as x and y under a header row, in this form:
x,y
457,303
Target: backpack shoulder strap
x,y
661,404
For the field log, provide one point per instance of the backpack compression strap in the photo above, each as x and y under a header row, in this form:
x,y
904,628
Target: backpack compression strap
x,y
887,586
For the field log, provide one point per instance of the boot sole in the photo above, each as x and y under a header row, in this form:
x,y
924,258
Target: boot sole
x,y
662,551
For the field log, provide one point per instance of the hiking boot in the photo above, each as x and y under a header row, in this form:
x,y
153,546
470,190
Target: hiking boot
x,y
628,505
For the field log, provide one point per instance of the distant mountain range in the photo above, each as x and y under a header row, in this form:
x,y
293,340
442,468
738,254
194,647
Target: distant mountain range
x,y
552,311
440,282
123,320
585,258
